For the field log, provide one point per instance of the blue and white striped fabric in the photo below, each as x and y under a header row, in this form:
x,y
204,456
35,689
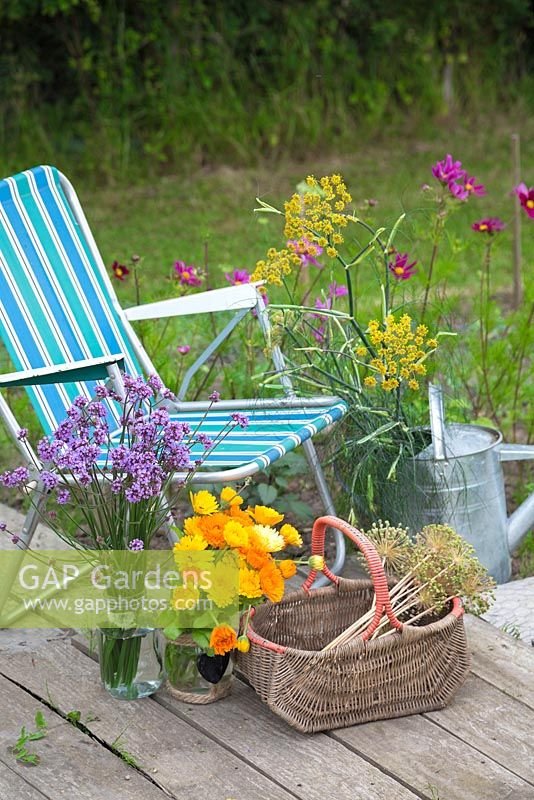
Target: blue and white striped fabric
x,y
56,307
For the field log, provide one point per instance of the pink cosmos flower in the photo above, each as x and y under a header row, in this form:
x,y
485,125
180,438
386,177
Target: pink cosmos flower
x,y
448,170
400,268
119,270
301,249
238,277
187,275
526,198
472,187
184,349
489,225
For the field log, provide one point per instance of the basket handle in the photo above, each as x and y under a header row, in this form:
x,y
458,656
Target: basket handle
x,y
378,576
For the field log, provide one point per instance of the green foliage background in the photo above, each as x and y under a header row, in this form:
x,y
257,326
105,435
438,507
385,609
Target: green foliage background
x,y
117,88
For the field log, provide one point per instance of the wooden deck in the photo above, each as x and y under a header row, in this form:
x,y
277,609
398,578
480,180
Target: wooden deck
x,y
479,748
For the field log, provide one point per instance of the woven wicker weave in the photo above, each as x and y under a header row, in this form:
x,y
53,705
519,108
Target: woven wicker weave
x,y
415,669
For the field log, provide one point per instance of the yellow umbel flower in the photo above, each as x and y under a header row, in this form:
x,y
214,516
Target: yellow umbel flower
x,y
230,496
266,538
265,515
400,352
312,218
235,535
291,535
203,502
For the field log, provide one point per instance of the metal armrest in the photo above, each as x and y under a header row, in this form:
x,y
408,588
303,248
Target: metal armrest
x,y
230,298
90,369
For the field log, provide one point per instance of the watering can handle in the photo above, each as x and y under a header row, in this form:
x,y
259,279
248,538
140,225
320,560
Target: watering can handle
x,y
515,452
437,421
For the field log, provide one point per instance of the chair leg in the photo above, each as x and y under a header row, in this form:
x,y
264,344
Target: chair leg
x,y
326,497
26,536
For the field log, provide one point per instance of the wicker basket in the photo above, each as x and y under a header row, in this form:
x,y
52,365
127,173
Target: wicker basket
x,y
413,670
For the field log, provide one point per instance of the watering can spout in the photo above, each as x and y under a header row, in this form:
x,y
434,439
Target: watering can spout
x,y
522,520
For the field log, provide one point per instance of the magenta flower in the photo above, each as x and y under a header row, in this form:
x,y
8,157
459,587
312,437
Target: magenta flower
x,y
400,268
184,349
448,170
119,270
472,187
187,275
307,251
458,191
489,225
238,277
337,290
526,198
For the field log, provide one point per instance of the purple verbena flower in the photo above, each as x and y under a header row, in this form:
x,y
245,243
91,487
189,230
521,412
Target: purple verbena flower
x,y
136,545
488,225
205,441
240,419
3,526
22,434
15,539
214,397
155,382
187,275
400,268
63,496
15,478
238,277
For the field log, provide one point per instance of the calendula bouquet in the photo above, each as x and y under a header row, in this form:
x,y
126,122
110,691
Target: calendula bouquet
x,y
253,539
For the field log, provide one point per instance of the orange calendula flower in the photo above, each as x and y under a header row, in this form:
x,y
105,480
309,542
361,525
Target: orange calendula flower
x,y
212,528
223,639
287,567
265,515
230,496
242,516
257,558
291,535
272,582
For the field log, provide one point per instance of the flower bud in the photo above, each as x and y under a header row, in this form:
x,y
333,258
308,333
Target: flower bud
x,y
243,644
316,562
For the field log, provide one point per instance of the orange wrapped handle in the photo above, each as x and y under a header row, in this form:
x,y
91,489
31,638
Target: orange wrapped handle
x,y
378,576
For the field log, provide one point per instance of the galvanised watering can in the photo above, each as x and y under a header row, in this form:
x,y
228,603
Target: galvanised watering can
x,y
459,481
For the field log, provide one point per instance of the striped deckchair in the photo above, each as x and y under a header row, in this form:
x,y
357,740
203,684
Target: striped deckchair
x,y
65,331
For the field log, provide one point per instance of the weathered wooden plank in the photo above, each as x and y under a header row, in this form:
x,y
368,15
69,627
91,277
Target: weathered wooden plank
x,y
501,660
311,767
432,761
494,723
184,761
13,787
73,765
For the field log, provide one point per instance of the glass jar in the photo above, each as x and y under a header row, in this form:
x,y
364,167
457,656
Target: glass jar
x,y
190,671
131,661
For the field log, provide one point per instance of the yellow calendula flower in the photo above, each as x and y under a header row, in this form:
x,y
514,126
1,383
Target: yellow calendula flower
x,y
184,598
230,496
265,515
192,526
316,562
291,535
195,542
236,535
267,538
224,589
249,583
203,502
